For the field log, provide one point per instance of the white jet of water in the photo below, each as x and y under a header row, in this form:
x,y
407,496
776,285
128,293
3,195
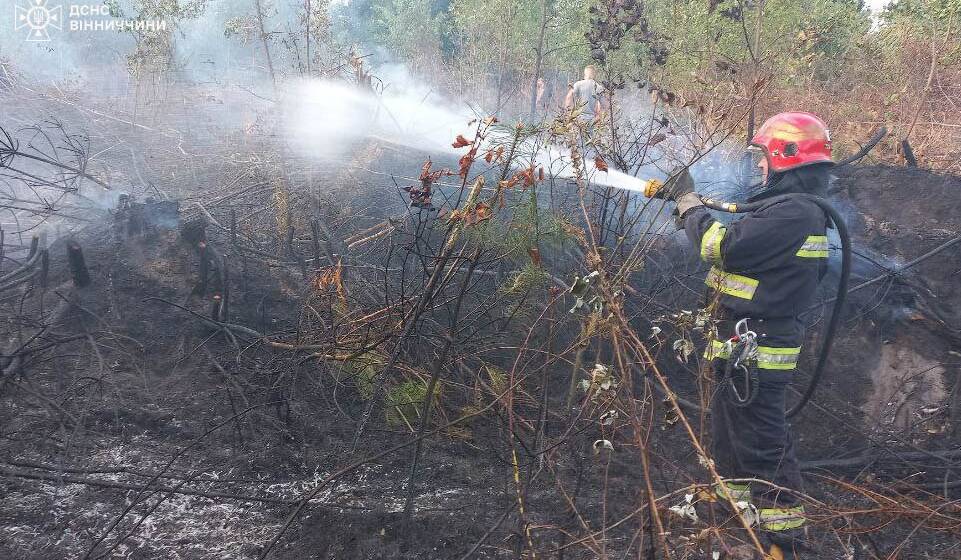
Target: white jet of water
x,y
553,155
323,120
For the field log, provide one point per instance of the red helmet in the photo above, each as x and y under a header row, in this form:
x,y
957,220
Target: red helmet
x,y
791,140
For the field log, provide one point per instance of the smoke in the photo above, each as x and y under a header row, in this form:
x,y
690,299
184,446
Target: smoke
x,y
224,79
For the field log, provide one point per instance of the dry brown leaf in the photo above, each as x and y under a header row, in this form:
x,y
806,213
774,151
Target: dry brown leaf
x,y
466,161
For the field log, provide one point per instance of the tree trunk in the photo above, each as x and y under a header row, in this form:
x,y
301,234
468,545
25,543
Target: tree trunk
x,y
538,59
307,35
263,39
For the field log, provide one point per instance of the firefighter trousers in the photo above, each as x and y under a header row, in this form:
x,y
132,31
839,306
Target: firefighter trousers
x,y
755,442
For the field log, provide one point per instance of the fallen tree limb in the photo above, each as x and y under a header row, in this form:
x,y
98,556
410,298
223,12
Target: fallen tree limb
x,y
32,259
124,470
946,455
878,135
70,479
894,272
19,281
13,151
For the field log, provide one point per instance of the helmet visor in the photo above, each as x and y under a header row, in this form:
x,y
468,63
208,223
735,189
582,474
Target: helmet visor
x,y
755,167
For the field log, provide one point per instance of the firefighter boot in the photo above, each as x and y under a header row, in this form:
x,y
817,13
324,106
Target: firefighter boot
x,y
785,545
775,552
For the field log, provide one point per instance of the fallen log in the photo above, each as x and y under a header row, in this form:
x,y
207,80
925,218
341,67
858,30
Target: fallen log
x,y
70,479
949,456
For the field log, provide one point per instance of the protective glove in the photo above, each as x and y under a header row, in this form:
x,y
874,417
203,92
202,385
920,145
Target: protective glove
x,y
680,184
680,189
687,202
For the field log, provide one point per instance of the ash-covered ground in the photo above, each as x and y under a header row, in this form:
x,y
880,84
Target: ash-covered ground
x,y
207,379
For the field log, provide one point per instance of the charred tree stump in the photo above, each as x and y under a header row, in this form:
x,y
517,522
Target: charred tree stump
x,y
233,228
211,258
44,268
290,241
293,253
194,231
243,283
315,237
225,290
319,228
238,251
264,324
216,307
204,269
78,267
908,153
220,279
136,221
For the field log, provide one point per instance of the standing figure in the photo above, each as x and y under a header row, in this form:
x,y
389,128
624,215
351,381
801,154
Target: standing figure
x,y
765,271
586,95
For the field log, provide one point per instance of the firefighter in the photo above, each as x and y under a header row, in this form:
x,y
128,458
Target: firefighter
x,y
765,269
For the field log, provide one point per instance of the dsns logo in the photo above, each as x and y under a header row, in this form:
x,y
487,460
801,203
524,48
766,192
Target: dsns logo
x,y
36,18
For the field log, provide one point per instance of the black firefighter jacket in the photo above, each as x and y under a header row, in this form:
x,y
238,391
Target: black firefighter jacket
x,y
766,267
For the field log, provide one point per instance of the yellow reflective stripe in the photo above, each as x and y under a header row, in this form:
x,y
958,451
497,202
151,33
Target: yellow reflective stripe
x,y
768,357
815,246
782,519
731,284
738,492
711,243
777,358
717,349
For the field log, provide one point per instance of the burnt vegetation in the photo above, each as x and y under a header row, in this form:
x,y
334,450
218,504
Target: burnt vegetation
x,y
217,344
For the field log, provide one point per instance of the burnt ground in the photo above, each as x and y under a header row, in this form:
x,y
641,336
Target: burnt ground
x,y
901,336
235,431
154,392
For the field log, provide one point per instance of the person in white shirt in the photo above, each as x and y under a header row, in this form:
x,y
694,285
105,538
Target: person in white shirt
x,y
586,95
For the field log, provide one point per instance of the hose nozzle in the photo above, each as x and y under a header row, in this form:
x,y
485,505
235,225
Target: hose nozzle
x,y
652,187
680,182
